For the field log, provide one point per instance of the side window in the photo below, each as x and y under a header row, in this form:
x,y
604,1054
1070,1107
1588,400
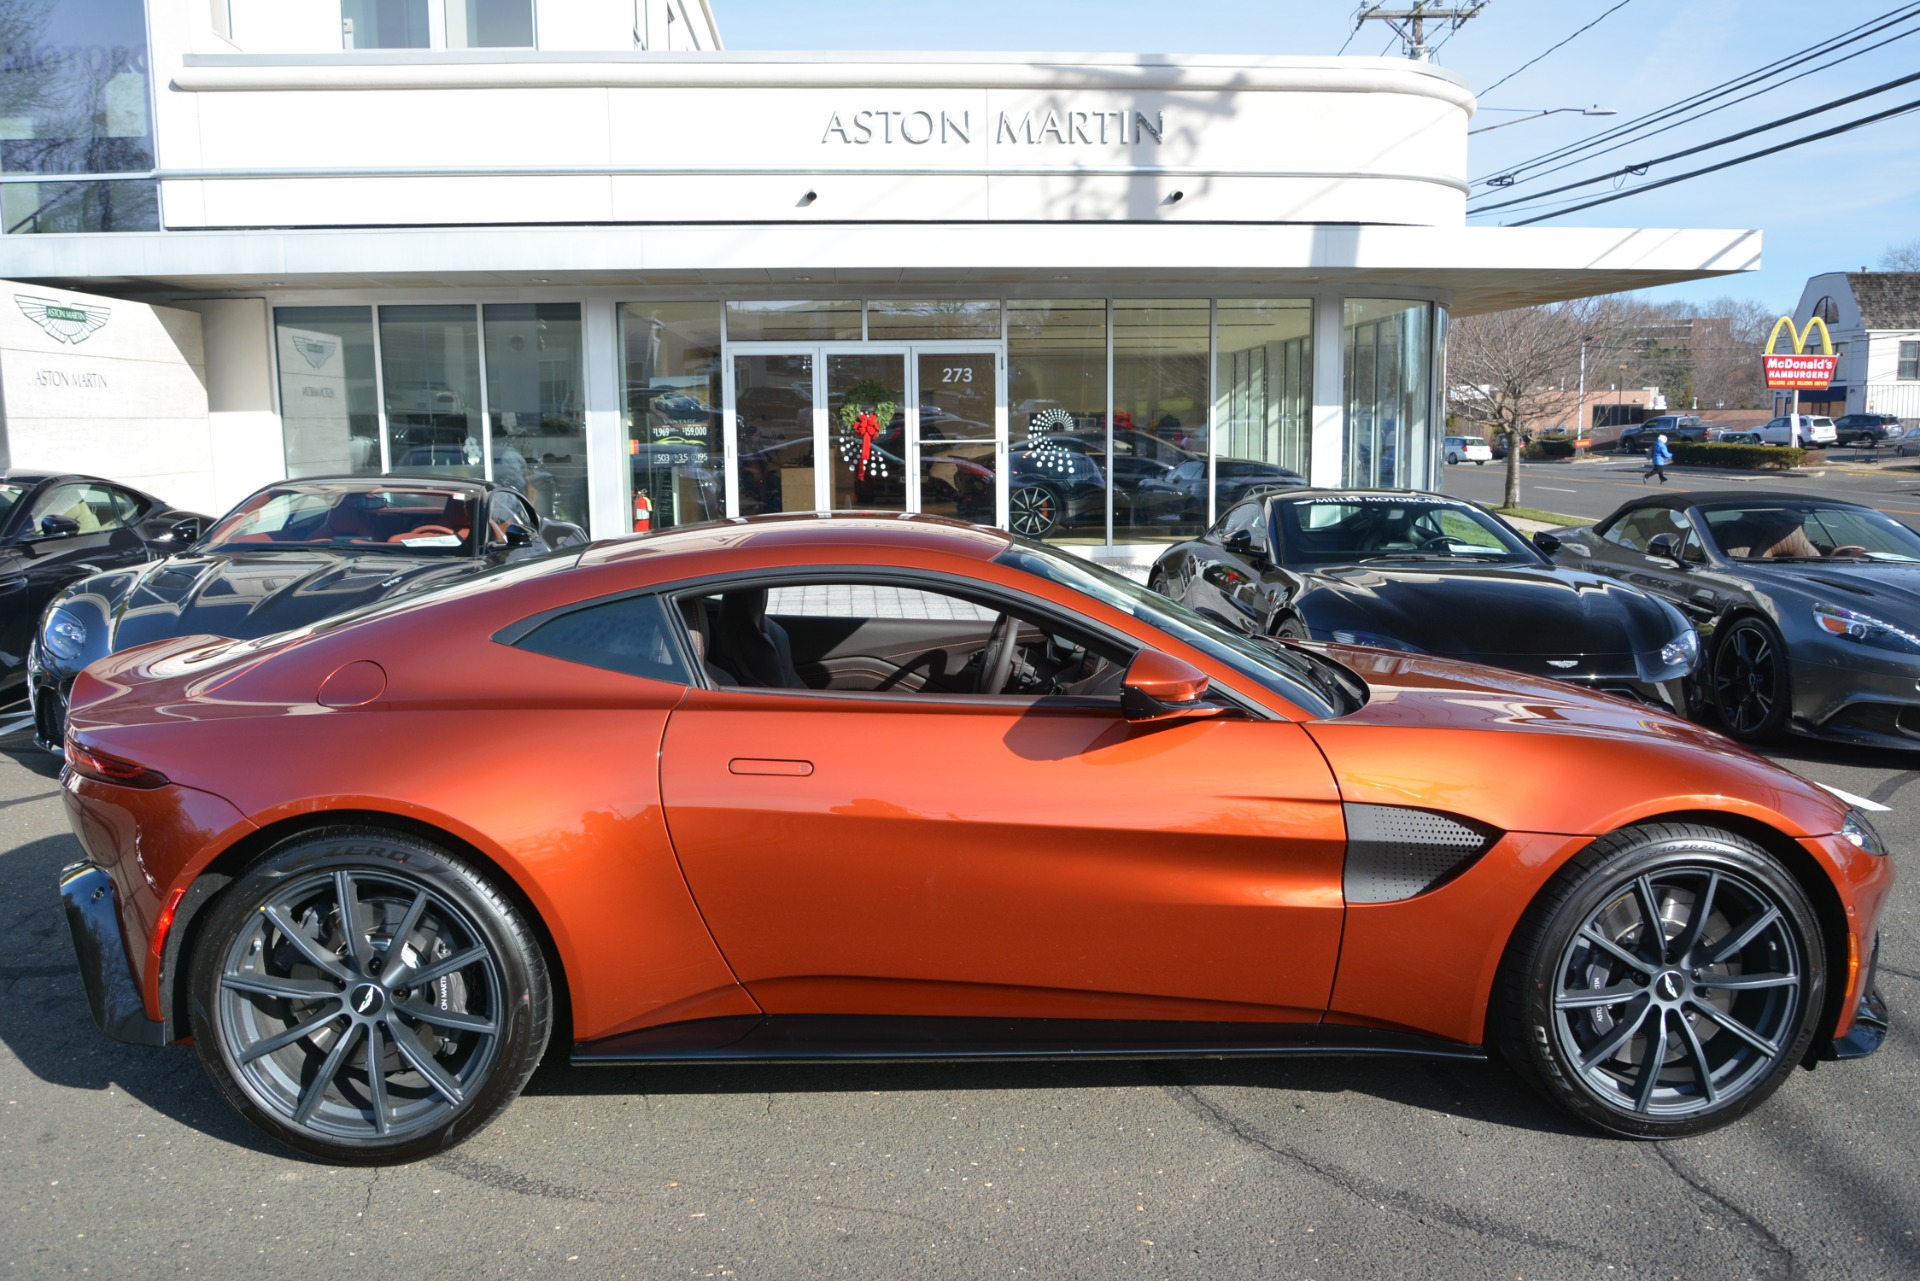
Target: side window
x,y
1248,519
887,638
508,508
629,635
1638,528
126,504
92,506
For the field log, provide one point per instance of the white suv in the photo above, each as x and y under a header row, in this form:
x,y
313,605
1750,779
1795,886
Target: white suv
x,y
1468,449
1815,429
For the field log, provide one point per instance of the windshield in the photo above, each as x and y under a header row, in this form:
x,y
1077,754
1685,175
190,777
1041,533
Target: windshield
x,y
1316,685
1350,529
407,519
1810,531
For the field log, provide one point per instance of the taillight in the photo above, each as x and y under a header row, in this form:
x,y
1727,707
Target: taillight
x,y
91,762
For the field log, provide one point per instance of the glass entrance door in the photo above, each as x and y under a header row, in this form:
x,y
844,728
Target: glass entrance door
x,y
908,428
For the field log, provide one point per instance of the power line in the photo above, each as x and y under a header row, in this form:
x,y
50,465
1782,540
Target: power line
x,y
1523,66
1638,169
1416,16
1889,19
1701,115
1849,127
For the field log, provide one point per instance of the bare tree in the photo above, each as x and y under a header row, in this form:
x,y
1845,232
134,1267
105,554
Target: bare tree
x,y
1901,257
1509,368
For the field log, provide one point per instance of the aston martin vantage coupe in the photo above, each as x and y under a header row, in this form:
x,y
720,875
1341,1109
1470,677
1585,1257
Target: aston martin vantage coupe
x,y
811,787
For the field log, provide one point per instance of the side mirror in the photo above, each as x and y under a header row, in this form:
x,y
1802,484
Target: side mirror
x,y
1546,542
1160,687
185,531
1666,546
517,535
59,526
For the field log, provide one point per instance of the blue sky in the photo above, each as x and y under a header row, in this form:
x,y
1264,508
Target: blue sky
x,y
1834,205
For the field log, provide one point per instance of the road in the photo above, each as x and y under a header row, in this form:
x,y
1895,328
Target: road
x,y
122,1162
1593,489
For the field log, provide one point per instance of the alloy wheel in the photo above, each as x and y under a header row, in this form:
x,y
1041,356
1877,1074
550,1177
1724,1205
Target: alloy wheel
x,y
1747,681
360,1004
1680,992
1034,511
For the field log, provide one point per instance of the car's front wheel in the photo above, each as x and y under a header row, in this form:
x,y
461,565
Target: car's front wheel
x,y
1665,983
1034,511
365,997
1749,681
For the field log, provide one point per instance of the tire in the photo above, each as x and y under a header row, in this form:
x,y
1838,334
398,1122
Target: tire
x,y
1453,460
1291,629
1584,996
1479,462
1748,682
1034,511
275,959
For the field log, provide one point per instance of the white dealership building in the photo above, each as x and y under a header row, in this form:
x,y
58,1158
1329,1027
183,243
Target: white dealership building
x,y
577,245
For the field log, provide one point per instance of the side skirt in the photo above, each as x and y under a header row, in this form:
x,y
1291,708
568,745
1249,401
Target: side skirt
x,y
886,1038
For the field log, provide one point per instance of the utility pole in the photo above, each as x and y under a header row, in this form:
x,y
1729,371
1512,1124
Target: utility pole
x,y
1410,23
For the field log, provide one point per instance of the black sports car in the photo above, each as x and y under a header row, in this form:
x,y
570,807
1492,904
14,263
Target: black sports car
x,y
1426,574
288,555
1809,608
56,527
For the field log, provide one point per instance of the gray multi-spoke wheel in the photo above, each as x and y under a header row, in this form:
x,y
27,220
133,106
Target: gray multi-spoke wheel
x,y
364,997
1665,983
1750,681
1034,511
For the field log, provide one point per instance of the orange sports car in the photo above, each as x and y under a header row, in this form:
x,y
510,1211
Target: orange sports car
x,y
889,787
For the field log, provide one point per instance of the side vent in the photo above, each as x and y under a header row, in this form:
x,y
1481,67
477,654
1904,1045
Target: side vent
x,y
1395,853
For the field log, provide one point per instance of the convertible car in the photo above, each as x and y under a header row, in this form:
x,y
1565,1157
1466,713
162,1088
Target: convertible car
x,y
291,553
55,528
1426,574
1809,608
809,787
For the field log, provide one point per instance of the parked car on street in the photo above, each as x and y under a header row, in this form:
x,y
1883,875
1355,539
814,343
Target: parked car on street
x,y
1809,608
1738,436
1865,429
58,527
1815,430
1675,427
1469,449
804,788
1426,574
289,555
1907,443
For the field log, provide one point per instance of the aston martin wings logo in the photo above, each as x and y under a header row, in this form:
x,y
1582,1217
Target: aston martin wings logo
x,y
318,351
64,322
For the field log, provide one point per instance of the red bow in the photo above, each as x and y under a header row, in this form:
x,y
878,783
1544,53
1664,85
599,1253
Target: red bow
x,y
867,426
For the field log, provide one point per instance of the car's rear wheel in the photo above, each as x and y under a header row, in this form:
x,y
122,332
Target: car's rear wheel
x,y
1750,681
365,997
1034,511
1665,983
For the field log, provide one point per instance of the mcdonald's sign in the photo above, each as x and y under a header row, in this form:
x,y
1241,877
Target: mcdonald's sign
x,y
1799,371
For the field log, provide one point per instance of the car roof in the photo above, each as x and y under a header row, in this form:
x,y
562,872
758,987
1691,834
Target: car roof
x,y
395,480
1725,498
822,534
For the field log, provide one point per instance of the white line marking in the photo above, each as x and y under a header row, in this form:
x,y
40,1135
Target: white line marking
x,y
13,726
1551,490
1858,802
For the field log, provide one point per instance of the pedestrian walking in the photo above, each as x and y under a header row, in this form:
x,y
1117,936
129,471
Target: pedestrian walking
x,y
1657,459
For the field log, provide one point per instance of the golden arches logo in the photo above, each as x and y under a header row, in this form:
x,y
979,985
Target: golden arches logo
x,y
1799,336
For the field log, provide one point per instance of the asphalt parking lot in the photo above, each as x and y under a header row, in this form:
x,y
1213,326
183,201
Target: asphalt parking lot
x,y
122,1162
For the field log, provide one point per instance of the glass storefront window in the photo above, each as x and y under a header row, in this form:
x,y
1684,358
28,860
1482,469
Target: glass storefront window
x,y
933,320
1158,464
536,405
773,424
673,392
408,24
430,368
1263,385
1389,425
327,397
1056,410
833,320
74,99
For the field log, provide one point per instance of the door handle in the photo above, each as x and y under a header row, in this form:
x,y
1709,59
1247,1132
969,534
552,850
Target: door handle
x,y
780,769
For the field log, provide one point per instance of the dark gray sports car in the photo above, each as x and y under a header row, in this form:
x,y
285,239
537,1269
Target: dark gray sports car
x,y
288,555
1809,608
1426,574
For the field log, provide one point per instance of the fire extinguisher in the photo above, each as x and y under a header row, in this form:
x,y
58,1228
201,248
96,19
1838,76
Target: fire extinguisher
x,y
642,514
